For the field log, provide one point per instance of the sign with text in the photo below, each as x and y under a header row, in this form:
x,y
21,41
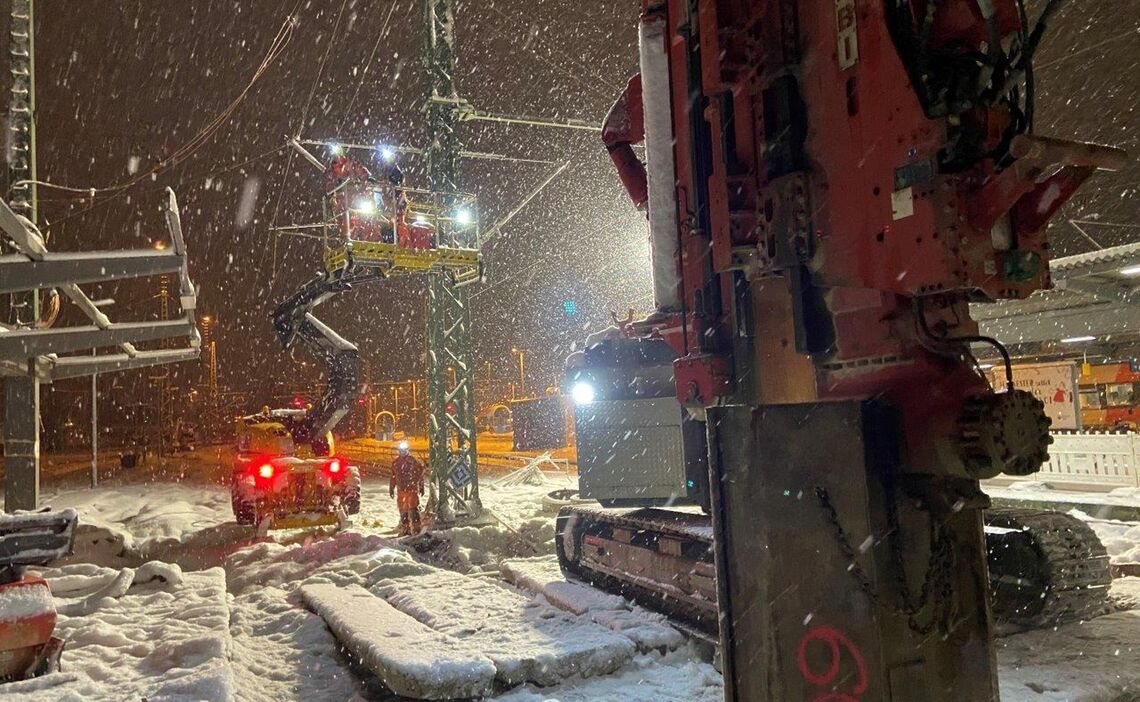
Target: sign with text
x,y
1055,384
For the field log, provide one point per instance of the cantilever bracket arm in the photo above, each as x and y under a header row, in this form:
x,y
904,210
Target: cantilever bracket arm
x,y
28,343
50,368
497,226
50,270
307,155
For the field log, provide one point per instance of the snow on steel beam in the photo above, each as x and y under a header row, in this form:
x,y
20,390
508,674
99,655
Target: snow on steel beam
x,y
79,366
26,343
1107,291
188,294
1099,262
18,272
22,232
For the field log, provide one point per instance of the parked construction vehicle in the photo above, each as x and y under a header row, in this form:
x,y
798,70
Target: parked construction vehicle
x,y
829,186
272,484
28,646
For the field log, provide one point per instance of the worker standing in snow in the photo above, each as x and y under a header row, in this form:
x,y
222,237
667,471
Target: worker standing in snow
x,y
406,486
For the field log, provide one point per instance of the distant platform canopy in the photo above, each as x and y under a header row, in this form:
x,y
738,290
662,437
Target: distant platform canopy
x,y
1094,302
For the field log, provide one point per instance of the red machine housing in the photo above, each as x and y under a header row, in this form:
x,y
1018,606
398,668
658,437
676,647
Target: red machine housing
x,y
853,159
836,182
27,621
27,610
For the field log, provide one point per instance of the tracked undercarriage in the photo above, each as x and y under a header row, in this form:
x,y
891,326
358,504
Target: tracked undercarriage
x,y
1045,568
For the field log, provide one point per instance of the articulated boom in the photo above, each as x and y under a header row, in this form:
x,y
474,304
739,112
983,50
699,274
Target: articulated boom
x,y
836,180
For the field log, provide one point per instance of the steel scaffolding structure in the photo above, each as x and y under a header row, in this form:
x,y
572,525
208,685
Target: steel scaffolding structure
x,y
32,349
21,110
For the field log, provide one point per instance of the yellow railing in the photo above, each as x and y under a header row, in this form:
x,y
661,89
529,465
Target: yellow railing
x,y
449,217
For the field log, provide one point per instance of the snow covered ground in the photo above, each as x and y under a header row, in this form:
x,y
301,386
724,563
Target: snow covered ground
x,y
1042,490
243,631
1120,539
152,633
1093,661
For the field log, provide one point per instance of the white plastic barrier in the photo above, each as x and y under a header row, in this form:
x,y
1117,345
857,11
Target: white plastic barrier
x,y
1090,461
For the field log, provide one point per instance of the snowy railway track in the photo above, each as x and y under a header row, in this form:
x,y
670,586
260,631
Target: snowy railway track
x,y
379,459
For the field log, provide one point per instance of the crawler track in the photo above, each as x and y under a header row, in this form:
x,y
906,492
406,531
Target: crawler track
x,y
660,559
1045,567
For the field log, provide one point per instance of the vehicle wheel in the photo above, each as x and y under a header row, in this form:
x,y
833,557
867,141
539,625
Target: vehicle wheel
x,y
352,501
244,512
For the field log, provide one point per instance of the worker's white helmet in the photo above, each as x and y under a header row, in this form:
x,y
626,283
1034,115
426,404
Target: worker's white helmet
x,y
402,447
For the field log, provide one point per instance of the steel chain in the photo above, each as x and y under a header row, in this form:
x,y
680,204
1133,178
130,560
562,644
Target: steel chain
x,y
938,570
845,546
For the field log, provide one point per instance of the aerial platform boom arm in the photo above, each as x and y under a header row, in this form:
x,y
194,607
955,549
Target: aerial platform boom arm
x,y
624,127
293,319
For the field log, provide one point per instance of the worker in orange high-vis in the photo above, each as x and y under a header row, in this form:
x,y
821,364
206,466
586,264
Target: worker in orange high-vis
x,y
406,486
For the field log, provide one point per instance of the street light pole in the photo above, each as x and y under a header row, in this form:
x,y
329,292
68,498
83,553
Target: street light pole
x,y
522,370
94,428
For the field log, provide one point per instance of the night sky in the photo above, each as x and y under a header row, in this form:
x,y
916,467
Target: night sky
x,y
122,85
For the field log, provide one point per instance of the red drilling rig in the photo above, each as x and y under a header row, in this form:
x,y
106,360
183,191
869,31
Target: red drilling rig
x,y
829,185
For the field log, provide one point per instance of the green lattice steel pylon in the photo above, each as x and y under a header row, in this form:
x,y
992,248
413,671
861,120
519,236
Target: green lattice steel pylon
x,y
22,394
451,370
22,110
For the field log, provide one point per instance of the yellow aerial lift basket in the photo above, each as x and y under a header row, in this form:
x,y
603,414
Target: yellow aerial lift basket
x,y
434,232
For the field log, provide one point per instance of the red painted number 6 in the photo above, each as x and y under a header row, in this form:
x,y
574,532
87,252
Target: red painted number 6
x,y
835,640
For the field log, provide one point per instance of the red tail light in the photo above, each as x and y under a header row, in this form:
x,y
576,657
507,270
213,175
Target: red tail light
x,y
334,466
266,470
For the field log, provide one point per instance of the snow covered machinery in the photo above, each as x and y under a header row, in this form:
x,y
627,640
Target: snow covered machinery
x,y
829,185
271,482
27,611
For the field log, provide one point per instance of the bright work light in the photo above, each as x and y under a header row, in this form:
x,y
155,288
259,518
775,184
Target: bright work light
x,y
583,393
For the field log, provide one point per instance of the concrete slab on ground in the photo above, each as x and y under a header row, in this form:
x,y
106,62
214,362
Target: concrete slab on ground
x,y
528,640
543,576
410,658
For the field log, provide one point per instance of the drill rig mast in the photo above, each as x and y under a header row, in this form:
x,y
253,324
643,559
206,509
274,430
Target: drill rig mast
x,y
829,185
